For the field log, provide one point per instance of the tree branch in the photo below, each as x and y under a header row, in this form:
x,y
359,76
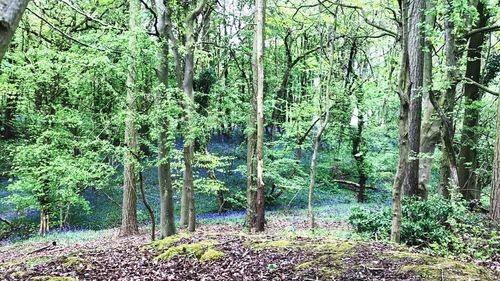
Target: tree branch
x,y
480,86
482,29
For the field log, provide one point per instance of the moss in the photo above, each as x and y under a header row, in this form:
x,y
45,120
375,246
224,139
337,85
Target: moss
x,y
211,254
196,249
168,241
448,270
53,278
38,261
75,262
273,244
19,274
304,265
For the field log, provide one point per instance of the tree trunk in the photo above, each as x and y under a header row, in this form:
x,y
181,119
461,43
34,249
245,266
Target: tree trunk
x,y
11,12
468,155
430,132
251,142
167,223
415,58
44,222
260,6
448,105
129,207
495,188
404,109
317,139
358,155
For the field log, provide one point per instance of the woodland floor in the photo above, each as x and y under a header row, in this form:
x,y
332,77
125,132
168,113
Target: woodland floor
x,y
226,252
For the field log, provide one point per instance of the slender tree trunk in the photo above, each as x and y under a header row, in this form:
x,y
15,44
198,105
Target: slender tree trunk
x,y
260,7
495,189
167,223
358,155
468,155
317,140
404,108
251,142
44,222
129,206
415,58
11,12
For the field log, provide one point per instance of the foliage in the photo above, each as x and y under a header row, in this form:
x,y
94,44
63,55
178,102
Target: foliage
x,y
436,224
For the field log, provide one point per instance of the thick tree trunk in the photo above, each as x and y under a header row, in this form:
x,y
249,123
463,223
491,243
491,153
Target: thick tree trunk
x,y
495,188
415,58
129,206
260,7
448,105
468,155
11,12
430,131
167,223
404,109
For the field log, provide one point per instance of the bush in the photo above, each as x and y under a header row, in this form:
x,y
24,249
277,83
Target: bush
x,y
439,225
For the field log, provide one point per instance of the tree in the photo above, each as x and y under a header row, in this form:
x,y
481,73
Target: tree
x,y
415,63
11,12
184,73
468,156
258,69
495,188
129,206
404,108
167,223
317,140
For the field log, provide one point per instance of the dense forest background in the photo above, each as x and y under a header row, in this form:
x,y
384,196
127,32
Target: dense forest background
x,y
121,113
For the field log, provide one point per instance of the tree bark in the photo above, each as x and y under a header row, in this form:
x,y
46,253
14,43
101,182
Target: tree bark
x,y
251,146
167,223
404,108
317,140
11,12
495,188
129,206
430,132
467,157
260,7
415,58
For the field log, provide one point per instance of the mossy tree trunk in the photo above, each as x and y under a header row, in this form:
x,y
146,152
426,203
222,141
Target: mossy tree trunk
x,y
404,108
129,206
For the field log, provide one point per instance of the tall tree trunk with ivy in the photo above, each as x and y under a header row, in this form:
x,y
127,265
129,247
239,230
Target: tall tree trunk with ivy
x,y
129,206
467,158
260,10
167,223
415,58
495,188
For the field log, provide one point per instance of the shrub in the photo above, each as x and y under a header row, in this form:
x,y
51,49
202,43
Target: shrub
x,y
439,225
